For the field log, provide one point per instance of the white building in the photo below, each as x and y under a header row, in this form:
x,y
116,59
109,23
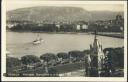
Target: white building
x,y
81,27
58,26
78,27
84,26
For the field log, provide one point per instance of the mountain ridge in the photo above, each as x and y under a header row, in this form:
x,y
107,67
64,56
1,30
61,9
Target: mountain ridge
x,y
59,14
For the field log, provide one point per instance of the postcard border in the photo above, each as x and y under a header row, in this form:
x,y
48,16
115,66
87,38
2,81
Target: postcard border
x,y
3,57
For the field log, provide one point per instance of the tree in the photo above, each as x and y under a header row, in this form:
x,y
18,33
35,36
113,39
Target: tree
x,y
117,55
29,59
76,54
12,62
48,56
108,67
120,57
63,55
86,52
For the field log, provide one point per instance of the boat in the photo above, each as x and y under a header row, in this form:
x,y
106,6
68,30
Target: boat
x,y
38,41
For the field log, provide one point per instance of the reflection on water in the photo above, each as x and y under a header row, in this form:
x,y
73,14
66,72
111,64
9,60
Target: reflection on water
x,y
20,44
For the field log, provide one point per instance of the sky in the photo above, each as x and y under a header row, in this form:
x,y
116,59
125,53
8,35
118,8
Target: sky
x,y
109,6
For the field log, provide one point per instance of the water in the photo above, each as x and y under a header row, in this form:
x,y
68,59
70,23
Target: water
x,y
20,44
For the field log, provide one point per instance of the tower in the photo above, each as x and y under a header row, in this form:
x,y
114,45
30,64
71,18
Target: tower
x,y
96,58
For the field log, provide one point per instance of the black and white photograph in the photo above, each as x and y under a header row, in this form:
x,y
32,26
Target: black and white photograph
x,y
64,39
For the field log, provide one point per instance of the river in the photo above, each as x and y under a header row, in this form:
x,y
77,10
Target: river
x,y
20,44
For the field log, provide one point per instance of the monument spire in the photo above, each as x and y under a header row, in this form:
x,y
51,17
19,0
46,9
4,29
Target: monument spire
x,y
95,34
97,57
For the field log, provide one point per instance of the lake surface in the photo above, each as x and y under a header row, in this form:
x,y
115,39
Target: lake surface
x,y
20,44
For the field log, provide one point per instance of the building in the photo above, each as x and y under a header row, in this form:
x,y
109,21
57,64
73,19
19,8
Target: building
x,y
95,59
81,27
78,27
119,19
85,26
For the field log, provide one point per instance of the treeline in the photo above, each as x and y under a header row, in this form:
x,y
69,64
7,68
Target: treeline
x,y
44,27
49,58
14,65
34,27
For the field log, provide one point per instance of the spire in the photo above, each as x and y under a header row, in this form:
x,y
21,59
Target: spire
x,y
96,57
95,33
95,43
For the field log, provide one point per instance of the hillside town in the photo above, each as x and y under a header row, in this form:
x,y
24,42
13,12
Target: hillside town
x,y
114,25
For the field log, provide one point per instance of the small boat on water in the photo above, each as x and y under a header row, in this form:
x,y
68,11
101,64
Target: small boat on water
x,y
38,41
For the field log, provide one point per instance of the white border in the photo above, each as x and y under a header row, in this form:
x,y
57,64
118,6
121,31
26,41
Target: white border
x,y
3,56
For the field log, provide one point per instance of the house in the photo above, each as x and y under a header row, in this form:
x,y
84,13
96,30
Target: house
x,y
78,27
81,26
84,26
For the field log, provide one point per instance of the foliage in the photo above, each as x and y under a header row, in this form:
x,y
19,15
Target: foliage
x,y
117,56
108,65
114,58
48,56
62,55
12,62
86,52
120,56
76,54
29,59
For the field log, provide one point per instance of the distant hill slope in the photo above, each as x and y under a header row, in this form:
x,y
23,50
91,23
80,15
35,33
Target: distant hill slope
x,y
51,13
104,15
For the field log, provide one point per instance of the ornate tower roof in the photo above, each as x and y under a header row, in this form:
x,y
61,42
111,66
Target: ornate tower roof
x,y
96,46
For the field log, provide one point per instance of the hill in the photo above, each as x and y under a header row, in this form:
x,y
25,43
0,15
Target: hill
x,y
61,14
104,15
49,14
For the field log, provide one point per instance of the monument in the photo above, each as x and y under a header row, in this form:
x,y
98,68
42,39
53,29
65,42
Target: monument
x,y
95,59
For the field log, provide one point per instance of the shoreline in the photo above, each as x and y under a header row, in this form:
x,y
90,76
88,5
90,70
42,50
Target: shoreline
x,y
114,35
107,34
